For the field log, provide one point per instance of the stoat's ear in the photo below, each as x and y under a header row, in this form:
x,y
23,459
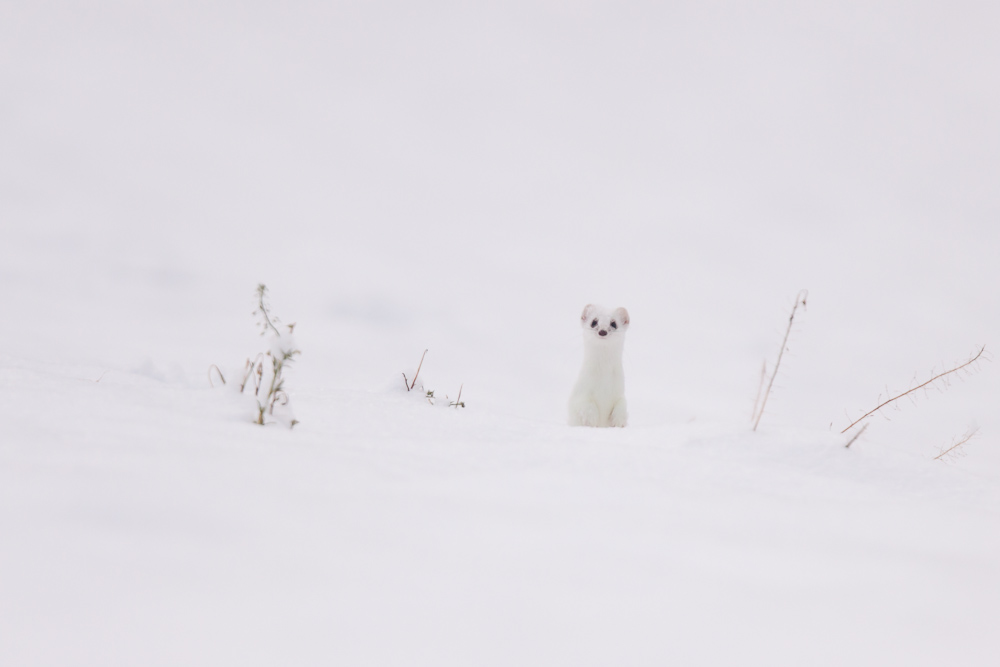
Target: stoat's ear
x,y
587,311
621,315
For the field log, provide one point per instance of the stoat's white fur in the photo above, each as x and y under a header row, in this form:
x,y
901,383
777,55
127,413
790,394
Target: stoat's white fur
x,y
598,397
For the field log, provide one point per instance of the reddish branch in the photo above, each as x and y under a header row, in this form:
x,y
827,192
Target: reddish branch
x,y
411,385
417,374
919,386
968,436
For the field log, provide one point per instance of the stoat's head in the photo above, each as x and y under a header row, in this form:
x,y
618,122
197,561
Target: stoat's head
x,y
602,324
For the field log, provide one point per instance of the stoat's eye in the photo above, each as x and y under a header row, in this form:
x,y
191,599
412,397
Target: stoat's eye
x,y
593,325
613,325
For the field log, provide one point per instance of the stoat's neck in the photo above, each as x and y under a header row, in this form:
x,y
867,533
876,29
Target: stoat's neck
x,y
602,354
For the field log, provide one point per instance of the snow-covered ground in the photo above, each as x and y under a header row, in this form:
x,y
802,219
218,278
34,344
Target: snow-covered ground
x,y
464,178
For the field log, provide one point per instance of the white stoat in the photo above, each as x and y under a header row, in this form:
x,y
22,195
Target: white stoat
x,y
598,397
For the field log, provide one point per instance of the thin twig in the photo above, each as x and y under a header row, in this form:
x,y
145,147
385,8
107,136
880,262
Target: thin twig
x,y
919,386
760,388
414,384
406,383
221,376
856,435
968,436
800,298
261,293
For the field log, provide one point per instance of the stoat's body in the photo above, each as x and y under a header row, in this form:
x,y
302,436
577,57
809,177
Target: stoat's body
x,y
598,397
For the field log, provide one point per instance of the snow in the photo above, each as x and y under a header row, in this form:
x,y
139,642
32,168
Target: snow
x,y
463,179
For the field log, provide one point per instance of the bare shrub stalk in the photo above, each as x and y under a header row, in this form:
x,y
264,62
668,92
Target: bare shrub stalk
x,y
954,449
934,379
800,299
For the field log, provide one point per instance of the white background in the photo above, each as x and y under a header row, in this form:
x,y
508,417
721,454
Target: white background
x,y
465,177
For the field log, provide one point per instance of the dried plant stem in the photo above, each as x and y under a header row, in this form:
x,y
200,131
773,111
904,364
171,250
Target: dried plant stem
x,y
221,376
247,370
968,436
282,356
275,379
458,401
760,388
417,374
250,367
919,386
856,435
800,299
263,309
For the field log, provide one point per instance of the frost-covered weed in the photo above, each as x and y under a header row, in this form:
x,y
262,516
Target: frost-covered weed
x,y
264,375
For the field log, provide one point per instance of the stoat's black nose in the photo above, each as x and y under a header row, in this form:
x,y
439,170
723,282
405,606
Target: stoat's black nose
x,y
603,332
